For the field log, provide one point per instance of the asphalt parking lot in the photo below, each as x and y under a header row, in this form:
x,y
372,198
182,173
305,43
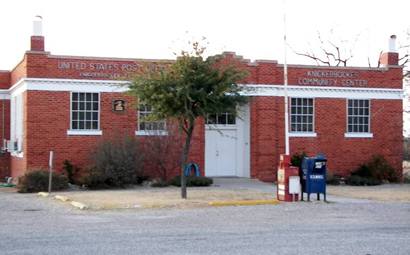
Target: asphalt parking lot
x,y
33,225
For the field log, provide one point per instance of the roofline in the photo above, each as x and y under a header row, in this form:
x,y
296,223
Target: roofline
x,y
110,58
342,67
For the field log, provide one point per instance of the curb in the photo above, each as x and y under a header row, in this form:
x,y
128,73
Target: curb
x,y
62,198
43,194
79,205
244,202
76,204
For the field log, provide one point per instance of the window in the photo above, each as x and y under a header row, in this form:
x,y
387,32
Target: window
x,y
85,109
358,116
301,115
17,127
221,119
144,125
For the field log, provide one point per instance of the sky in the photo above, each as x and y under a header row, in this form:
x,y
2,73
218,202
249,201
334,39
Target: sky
x,y
155,29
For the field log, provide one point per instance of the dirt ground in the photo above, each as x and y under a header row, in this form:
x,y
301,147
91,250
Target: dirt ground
x,y
169,197
385,192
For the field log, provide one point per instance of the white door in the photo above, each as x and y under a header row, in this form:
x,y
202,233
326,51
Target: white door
x,y
227,150
220,152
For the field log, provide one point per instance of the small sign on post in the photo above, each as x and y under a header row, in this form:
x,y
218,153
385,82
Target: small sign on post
x,y
50,176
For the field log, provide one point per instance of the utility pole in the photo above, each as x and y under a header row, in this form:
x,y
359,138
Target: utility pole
x,y
285,83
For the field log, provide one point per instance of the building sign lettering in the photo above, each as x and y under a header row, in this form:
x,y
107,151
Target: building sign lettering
x,y
332,78
103,70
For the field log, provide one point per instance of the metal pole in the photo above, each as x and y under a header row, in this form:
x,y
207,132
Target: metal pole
x,y
285,79
50,176
2,122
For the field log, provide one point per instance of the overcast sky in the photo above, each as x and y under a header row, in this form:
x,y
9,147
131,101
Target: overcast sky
x,y
156,28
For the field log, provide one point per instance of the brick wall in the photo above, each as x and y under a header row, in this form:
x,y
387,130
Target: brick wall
x,y
47,114
4,127
47,122
344,154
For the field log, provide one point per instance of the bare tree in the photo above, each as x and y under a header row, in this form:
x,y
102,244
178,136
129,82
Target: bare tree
x,y
404,53
162,152
331,51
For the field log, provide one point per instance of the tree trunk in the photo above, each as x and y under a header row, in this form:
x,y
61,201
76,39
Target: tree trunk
x,y
185,152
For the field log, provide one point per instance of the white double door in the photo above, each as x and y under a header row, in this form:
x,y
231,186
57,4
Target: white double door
x,y
227,149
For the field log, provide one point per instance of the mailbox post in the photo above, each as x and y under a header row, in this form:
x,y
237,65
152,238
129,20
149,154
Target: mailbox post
x,y
288,180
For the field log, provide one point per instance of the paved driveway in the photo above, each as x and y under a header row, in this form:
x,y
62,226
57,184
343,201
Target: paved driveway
x,y
32,225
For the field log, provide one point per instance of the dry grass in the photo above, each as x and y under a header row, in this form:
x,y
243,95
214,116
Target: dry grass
x,y
386,192
160,197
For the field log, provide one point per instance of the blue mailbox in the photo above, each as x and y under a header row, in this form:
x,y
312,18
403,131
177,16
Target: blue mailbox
x,y
313,176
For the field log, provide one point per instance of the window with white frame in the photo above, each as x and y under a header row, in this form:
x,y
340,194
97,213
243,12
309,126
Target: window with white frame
x,y
358,116
17,130
85,111
301,115
146,125
225,118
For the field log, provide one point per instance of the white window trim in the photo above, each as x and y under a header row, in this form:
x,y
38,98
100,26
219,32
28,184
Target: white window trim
x,y
151,132
84,132
17,154
358,134
221,126
17,124
301,133
90,132
157,132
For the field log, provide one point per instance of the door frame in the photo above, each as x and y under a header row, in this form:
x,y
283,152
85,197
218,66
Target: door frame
x,y
242,149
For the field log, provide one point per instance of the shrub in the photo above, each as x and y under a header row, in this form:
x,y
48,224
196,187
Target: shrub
x,y
71,171
37,180
332,179
296,159
116,163
93,179
159,183
192,181
377,169
406,177
356,180
162,153
382,170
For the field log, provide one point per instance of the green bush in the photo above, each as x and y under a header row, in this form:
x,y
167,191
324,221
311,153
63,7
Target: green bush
x,y
116,163
296,159
192,181
356,180
37,180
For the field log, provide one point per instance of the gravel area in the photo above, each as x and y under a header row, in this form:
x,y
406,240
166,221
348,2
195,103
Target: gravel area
x,y
39,226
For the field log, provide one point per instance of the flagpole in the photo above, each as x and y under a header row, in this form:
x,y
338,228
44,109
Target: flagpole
x,y
285,83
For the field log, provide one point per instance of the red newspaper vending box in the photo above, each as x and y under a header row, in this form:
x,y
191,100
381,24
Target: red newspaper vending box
x,y
288,180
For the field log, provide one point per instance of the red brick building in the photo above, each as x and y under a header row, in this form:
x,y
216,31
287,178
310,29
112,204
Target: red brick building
x,y
65,104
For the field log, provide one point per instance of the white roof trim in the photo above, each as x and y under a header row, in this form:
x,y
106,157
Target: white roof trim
x,y
46,84
4,94
322,92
